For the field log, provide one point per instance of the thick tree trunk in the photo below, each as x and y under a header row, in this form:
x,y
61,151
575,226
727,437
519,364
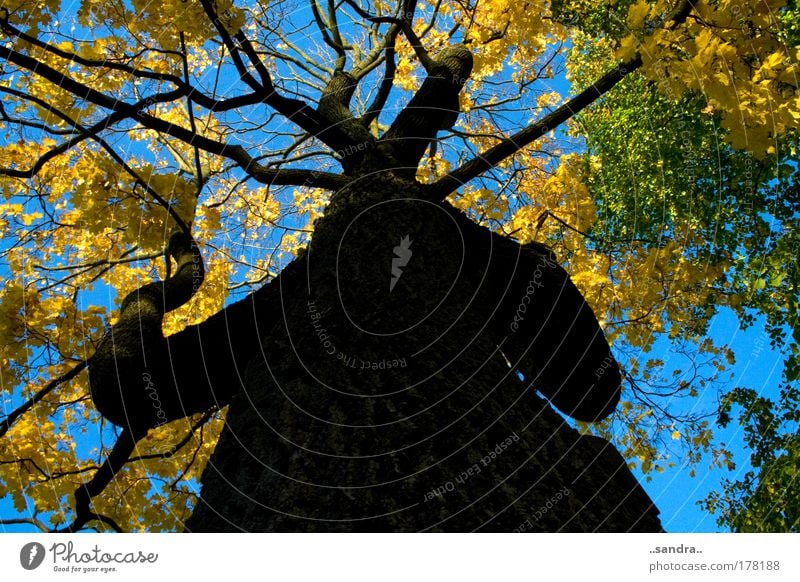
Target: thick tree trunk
x,y
379,399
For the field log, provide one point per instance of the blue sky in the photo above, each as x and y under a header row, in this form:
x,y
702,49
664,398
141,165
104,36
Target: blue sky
x,y
757,366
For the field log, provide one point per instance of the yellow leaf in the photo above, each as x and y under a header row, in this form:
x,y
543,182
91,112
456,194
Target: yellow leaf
x,y
627,48
637,13
28,219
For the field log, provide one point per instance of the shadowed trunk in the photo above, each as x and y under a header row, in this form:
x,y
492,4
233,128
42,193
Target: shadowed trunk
x,y
379,398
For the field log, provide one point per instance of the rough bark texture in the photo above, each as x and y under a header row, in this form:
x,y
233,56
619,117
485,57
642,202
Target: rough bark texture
x,y
370,409
130,375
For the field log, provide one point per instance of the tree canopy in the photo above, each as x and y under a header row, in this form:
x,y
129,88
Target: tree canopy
x,y
651,144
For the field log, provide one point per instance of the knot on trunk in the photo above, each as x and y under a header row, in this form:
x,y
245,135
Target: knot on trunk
x,y
130,376
433,107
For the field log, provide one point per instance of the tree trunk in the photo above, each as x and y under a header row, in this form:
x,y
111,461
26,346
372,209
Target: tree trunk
x,y
379,398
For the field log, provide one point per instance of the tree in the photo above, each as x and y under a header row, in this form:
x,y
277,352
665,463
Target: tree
x,y
766,498
733,209
361,339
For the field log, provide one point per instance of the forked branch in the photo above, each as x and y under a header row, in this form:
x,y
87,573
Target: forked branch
x,y
507,147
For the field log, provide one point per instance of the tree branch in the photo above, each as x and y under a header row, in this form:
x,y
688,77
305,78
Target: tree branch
x,y
183,442
384,89
308,118
330,35
198,167
333,24
190,91
432,108
83,134
124,110
405,9
424,58
103,262
87,133
9,420
26,521
255,60
440,189
116,459
305,116
484,161
232,47
405,25
334,107
285,177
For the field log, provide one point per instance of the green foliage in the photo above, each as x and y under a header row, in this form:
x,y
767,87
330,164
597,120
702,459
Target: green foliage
x,y
767,498
660,169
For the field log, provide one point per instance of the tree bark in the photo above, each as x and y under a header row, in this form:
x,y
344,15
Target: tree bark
x,y
378,398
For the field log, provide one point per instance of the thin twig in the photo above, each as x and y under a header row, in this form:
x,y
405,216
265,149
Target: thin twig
x,y
9,420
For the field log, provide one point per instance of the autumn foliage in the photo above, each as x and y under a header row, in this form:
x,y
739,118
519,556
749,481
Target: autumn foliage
x,y
645,142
